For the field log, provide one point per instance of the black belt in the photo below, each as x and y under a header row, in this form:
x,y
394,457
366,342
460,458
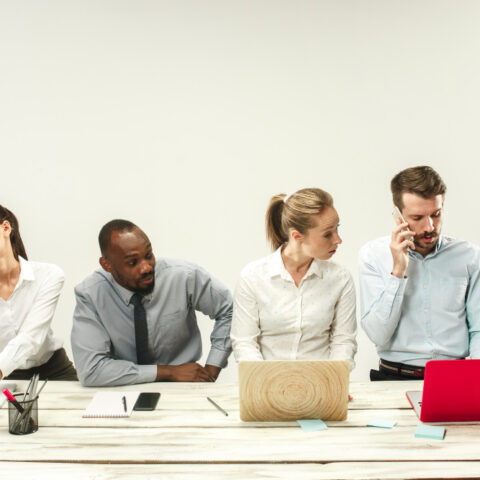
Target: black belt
x,y
402,369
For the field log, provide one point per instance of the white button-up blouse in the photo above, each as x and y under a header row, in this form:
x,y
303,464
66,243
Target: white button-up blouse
x,y
273,319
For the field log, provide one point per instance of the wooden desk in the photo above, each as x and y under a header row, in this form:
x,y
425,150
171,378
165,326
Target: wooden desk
x,y
186,437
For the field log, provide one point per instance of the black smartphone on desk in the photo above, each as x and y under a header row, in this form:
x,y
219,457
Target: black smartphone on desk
x,y
147,401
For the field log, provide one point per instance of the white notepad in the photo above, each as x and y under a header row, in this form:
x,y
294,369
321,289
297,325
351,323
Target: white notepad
x,y
110,405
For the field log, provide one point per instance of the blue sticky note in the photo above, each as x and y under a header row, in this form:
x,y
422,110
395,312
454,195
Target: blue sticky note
x,y
381,423
429,431
312,425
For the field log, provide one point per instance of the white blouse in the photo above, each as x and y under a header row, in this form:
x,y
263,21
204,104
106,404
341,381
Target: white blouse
x,y
273,319
26,339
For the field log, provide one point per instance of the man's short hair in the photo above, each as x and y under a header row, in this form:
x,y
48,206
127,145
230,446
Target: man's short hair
x,y
423,181
105,234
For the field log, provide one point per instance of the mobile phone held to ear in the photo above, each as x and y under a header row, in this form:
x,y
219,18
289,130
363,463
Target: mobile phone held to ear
x,y
147,401
398,217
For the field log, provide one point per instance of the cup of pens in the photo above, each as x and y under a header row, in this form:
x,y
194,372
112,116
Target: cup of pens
x,y
23,420
23,408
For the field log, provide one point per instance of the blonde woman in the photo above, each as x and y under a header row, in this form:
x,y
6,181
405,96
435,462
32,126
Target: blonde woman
x,y
295,304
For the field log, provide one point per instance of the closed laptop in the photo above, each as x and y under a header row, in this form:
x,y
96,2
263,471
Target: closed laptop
x,y
451,392
293,390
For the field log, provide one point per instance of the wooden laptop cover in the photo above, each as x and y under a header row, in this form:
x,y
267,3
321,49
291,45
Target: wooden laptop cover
x,y
293,390
451,391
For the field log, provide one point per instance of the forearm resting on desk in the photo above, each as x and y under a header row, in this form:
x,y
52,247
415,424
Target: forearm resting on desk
x,y
187,372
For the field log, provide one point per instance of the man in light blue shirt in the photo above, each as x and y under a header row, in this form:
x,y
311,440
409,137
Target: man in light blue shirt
x,y
420,290
135,321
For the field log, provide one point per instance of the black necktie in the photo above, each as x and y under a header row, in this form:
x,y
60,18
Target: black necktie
x,y
141,331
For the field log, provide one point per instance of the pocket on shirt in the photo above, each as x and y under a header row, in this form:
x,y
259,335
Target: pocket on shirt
x,y
174,324
452,294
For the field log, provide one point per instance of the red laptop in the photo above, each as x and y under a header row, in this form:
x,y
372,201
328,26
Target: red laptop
x,y
451,392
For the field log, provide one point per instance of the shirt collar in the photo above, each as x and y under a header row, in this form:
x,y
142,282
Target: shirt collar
x,y
277,268
438,247
26,272
276,263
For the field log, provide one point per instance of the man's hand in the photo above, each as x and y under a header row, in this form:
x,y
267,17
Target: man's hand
x,y
212,371
187,372
398,247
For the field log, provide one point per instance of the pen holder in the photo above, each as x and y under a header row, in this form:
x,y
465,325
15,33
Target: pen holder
x,y
22,423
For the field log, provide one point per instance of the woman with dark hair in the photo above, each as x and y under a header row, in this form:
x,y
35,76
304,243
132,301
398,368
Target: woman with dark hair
x,y
29,293
294,304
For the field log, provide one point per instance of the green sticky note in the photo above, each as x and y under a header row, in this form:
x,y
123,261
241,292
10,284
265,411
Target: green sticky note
x,y
312,425
380,423
429,431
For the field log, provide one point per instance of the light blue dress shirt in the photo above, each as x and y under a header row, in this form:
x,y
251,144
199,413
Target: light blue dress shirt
x,y
103,333
433,313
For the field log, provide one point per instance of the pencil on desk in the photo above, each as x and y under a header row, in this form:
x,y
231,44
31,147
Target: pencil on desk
x,y
217,406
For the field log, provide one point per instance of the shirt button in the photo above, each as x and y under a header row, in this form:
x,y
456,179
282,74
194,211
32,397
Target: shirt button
x,y
426,310
424,285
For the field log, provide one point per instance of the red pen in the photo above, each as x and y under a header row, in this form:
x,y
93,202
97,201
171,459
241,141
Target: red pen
x,y
12,399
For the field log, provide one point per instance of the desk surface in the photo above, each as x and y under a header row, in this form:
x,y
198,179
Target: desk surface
x,y
186,437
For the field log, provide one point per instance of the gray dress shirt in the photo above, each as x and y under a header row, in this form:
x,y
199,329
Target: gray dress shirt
x,y
103,333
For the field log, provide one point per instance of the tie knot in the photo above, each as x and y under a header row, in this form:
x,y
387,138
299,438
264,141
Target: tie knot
x,y
136,299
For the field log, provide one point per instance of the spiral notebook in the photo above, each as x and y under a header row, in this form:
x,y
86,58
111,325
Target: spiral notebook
x,y
111,405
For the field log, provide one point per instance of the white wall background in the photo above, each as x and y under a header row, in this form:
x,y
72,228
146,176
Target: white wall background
x,y
186,116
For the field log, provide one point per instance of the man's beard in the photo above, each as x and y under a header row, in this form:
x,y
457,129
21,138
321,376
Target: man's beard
x,y
433,235
149,288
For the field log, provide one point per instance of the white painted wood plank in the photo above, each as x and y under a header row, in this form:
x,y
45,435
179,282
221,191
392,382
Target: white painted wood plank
x,y
184,396
238,445
162,418
311,471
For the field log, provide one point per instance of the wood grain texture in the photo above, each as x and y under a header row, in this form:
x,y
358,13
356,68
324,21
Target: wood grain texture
x,y
168,416
187,438
237,445
275,391
366,395
305,471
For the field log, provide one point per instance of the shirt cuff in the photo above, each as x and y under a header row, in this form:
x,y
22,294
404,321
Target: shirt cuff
x,y
218,358
7,368
7,364
396,286
147,373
